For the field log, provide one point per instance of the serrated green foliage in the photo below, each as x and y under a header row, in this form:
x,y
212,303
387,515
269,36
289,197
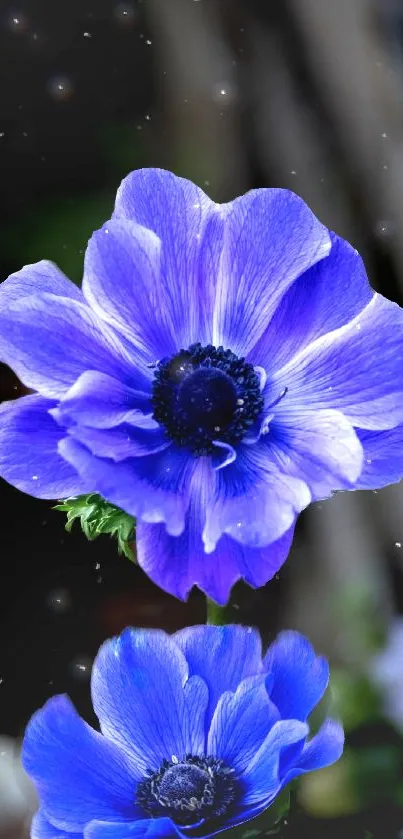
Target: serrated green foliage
x,y
97,516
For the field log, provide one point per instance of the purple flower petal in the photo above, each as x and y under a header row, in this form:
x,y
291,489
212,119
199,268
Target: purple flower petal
x,y
123,442
357,369
153,488
321,448
297,678
144,700
255,503
324,298
241,722
271,237
78,774
50,341
121,284
100,401
41,828
143,829
223,656
324,749
178,563
33,279
262,776
383,457
189,226
29,457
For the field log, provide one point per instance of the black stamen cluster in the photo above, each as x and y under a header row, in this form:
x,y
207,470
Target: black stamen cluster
x,y
188,790
204,394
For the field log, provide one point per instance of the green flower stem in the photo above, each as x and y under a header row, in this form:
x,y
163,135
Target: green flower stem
x,y
217,615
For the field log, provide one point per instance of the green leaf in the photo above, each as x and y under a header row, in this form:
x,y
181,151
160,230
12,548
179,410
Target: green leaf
x,y
97,516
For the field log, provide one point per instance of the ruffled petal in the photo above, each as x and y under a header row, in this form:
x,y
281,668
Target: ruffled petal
x,y
122,442
78,774
41,828
99,401
261,779
297,677
324,298
271,237
383,457
255,502
153,488
241,722
324,749
29,457
223,656
189,227
142,829
321,448
144,701
49,341
357,369
177,563
33,279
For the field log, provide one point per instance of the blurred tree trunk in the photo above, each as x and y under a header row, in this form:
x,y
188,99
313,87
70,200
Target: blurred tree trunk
x,y
199,96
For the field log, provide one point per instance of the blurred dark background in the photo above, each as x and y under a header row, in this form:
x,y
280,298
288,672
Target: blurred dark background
x,y
303,94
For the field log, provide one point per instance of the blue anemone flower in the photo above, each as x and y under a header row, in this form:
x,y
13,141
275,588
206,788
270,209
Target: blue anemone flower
x,y
199,734
222,367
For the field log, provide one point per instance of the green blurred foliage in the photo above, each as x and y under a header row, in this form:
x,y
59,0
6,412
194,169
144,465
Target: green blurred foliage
x,y
59,227
59,230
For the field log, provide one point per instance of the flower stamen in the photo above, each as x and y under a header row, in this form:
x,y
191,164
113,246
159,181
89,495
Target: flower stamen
x,y
188,790
203,392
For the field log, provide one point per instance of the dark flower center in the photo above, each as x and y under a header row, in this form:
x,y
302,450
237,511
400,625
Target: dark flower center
x,y
189,790
205,394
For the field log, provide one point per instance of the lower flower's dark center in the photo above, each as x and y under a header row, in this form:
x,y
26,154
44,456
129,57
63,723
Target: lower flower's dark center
x,y
189,790
205,394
